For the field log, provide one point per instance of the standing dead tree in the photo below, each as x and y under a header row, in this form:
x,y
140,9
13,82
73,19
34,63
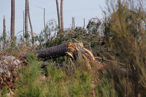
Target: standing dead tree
x,y
58,14
44,19
23,26
61,12
12,19
73,22
84,23
4,32
30,23
26,21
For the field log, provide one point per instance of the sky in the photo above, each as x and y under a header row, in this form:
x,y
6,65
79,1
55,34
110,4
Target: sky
x,y
79,9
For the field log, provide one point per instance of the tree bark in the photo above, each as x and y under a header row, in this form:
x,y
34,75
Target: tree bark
x,y
12,19
4,33
58,14
73,22
61,12
26,21
23,26
52,51
44,19
84,24
30,23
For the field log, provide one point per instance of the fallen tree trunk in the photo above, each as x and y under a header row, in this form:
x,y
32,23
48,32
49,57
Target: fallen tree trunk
x,y
74,50
52,51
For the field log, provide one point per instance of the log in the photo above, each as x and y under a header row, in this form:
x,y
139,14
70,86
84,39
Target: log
x,y
52,51
74,50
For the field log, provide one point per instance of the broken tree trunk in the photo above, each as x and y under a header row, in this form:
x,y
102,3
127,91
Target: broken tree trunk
x,y
74,50
58,14
4,33
26,22
12,19
30,23
52,51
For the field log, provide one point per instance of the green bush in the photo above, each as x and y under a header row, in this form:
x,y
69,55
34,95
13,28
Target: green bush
x,y
127,27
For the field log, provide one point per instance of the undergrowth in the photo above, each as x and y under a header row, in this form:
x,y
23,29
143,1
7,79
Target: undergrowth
x,y
57,82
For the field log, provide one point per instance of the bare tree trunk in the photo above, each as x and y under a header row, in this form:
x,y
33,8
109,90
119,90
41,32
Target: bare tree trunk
x,y
4,32
72,23
84,22
12,19
44,19
61,12
30,23
26,21
23,26
58,14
